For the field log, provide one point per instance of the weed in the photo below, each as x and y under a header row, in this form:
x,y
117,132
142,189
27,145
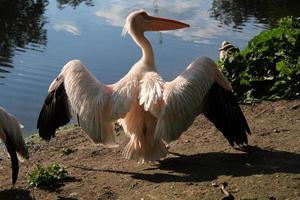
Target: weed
x,y
45,176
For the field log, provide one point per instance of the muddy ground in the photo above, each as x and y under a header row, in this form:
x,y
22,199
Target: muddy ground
x,y
200,162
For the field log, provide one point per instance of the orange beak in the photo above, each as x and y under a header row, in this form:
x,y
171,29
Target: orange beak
x,y
162,24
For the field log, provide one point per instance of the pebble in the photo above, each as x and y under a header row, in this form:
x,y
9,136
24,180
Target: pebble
x,y
73,194
214,184
276,130
294,107
133,185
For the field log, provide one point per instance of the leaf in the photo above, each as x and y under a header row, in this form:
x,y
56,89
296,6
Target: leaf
x,y
44,176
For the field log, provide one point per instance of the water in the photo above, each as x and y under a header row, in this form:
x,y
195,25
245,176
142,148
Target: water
x,y
38,37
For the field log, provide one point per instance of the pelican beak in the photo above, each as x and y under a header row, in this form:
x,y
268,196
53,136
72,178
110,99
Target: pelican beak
x,y
14,160
162,24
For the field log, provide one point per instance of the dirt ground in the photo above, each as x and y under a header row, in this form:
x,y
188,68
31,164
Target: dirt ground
x,y
199,164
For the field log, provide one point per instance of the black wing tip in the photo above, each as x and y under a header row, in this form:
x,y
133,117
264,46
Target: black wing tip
x,y
45,138
15,171
238,142
238,138
48,134
223,110
54,113
248,129
11,149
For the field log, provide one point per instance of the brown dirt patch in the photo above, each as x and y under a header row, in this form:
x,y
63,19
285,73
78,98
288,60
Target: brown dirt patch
x,y
200,161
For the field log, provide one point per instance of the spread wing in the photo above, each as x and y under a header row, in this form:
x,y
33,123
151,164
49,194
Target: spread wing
x,y
183,97
76,92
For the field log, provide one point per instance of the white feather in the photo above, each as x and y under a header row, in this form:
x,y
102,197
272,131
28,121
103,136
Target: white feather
x,y
98,106
150,90
183,97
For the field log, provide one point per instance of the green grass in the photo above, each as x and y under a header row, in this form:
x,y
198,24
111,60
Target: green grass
x,y
46,176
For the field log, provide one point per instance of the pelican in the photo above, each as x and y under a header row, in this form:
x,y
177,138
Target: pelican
x,y
153,112
11,135
225,46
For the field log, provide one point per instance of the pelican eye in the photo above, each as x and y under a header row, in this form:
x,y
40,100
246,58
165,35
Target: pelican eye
x,y
144,14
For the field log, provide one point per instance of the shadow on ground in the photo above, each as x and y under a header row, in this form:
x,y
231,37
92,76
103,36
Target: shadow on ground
x,y
57,186
14,194
208,166
20,194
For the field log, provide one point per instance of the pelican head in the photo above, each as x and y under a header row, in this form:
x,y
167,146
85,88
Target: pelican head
x,y
140,21
225,47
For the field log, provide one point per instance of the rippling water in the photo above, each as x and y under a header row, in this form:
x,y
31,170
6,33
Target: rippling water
x,y
38,37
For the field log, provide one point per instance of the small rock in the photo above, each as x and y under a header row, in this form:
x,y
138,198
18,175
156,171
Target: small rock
x,y
225,184
214,184
295,106
73,194
92,187
276,130
235,190
133,185
186,141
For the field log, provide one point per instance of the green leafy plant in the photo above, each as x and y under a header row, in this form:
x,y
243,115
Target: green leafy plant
x,y
67,151
269,67
46,176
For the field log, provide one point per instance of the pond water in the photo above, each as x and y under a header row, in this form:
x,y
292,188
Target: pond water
x,y
37,37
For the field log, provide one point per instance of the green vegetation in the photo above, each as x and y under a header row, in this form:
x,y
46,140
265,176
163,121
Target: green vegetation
x,y
67,151
67,127
46,176
269,67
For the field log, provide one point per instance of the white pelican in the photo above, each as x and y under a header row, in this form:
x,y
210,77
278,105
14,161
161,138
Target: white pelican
x,y
151,110
225,46
11,135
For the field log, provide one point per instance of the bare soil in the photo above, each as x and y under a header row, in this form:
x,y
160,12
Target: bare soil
x,y
200,163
